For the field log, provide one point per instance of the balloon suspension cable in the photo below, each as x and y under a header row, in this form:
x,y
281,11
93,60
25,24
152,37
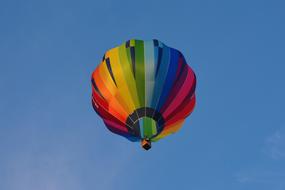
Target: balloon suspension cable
x,y
146,144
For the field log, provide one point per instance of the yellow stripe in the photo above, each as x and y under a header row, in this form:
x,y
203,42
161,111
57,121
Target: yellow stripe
x,y
122,91
128,74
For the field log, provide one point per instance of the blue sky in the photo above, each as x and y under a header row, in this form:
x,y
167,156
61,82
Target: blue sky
x,y
51,139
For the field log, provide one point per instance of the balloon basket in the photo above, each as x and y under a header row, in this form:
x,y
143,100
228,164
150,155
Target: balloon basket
x,y
146,144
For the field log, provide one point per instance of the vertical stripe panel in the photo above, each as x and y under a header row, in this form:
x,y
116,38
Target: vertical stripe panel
x,y
122,90
161,75
140,76
149,71
170,78
147,124
128,75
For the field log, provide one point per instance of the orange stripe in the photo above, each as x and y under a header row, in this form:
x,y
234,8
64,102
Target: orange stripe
x,y
115,108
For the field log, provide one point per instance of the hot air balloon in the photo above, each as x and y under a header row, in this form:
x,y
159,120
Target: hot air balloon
x,y
143,90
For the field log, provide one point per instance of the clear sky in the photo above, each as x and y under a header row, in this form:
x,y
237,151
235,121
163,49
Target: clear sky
x,y
51,139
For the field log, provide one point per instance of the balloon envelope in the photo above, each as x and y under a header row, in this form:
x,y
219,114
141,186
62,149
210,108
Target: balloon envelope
x,y
143,90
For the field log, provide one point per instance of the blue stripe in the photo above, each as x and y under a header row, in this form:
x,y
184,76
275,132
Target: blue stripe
x,y
161,75
169,81
141,128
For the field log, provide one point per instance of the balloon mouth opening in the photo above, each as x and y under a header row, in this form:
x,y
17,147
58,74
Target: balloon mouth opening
x,y
147,127
145,123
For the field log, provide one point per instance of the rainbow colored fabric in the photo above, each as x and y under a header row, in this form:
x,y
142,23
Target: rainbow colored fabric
x,y
143,90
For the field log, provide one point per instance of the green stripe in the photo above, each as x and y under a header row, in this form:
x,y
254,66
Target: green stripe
x,y
132,42
147,127
140,71
129,56
153,126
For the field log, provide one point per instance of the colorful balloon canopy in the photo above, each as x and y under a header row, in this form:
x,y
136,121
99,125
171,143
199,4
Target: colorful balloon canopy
x,y
143,90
